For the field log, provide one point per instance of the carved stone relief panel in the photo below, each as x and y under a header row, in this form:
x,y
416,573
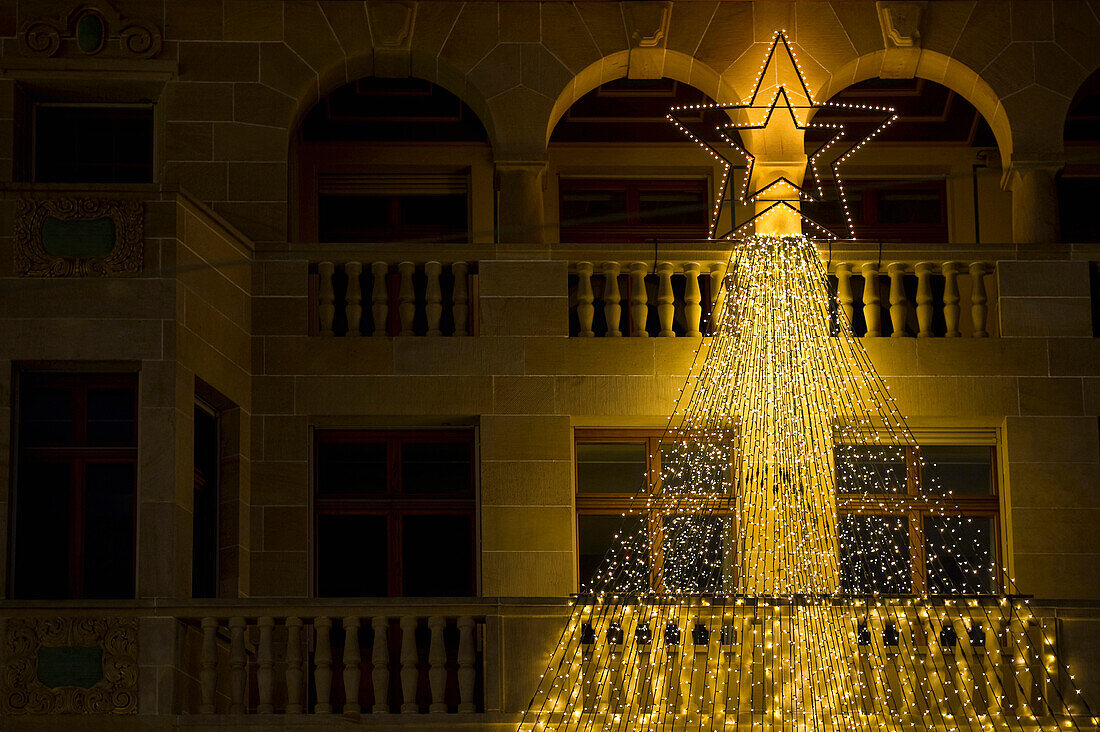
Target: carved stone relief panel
x,y
69,666
90,30
66,237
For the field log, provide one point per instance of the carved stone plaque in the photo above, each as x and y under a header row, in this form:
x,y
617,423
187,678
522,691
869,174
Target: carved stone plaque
x,y
42,652
67,237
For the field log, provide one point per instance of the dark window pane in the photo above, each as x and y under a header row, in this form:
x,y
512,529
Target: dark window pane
x,y
437,556
109,530
625,538
678,208
436,468
351,467
593,207
43,525
698,553
961,470
204,555
47,415
353,219
611,467
111,415
910,207
93,145
874,554
352,556
1076,202
699,468
447,212
870,469
961,554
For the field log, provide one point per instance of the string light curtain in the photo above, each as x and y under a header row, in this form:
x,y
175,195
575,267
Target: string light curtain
x,y
734,596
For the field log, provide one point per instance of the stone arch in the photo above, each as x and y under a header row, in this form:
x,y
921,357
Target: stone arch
x,y
941,69
669,64
343,70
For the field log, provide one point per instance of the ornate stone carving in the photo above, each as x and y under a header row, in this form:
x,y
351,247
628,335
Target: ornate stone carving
x,y
647,26
33,260
90,30
900,21
391,25
22,692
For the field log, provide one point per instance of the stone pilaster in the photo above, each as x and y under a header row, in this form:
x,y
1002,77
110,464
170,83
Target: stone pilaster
x,y
520,213
1034,201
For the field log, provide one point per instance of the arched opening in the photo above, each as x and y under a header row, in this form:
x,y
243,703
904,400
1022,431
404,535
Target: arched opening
x,y
1079,184
933,176
392,160
621,173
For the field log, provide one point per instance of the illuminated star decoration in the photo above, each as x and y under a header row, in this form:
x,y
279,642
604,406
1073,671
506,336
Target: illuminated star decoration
x,y
780,191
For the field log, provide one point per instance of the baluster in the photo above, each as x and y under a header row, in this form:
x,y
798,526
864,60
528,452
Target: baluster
x,y
589,682
924,298
293,665
639,309
380,298
666,303
326,297
433,297
923,691
866,673
437,660
844,293
717,293
979,312
208,676
693,310
265,663
612,311
237,677
351,666
460,296
951,298
322,659
1009,696
354,309
466,660
406,298
645,672
380,658
408,665
891,642
585,310
899,304
872,309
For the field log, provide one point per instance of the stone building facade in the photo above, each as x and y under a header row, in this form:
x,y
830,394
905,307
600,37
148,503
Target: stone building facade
x,y
211,284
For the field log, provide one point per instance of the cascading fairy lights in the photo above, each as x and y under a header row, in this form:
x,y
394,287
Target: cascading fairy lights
x,y
735,595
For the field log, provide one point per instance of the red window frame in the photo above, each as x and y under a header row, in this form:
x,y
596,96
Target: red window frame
x,y
393,504
632,228
76,452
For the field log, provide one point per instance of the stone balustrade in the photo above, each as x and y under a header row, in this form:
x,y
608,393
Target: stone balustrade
x,y
878,297
383,298
328,664
640,299
923,660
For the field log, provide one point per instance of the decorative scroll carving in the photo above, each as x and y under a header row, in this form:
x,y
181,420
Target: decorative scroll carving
x,y
900,22
647,26
90,30
32,259
391,25
21,691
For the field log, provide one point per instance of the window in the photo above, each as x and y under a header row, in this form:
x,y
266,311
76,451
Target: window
x,y
883,210
204,549
1077,194
632,210
73,528
393,208
87,144
394,513
927,528
656,544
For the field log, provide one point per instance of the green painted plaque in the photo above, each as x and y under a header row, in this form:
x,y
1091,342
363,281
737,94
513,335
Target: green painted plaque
x,y
78,237
70,666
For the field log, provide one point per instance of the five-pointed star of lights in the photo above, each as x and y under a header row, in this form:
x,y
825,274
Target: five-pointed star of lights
x,y
711,137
